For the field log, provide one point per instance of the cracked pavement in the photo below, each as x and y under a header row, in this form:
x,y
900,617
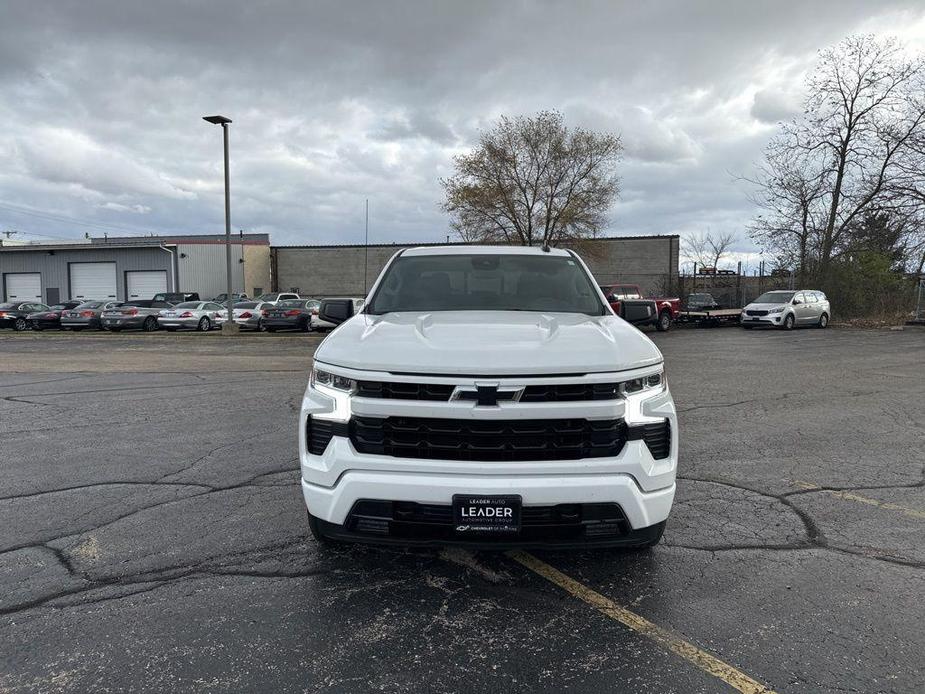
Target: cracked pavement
x,y
153,536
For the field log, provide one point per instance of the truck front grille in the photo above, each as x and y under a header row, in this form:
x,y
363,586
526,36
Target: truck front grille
x,y
559,392
487,440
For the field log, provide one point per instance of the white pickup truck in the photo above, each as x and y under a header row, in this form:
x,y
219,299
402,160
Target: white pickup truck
x,y
487,396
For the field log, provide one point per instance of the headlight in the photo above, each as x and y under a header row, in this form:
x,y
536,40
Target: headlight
x,y
329,380
779,309
654,381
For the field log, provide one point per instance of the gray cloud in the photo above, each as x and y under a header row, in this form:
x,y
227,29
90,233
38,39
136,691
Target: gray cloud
x,y
337,102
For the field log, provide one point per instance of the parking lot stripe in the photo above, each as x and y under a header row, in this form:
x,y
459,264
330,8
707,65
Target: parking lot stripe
x,y
851,496
710,664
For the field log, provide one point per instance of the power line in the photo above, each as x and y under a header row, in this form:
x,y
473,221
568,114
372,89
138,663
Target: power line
x,y
49,216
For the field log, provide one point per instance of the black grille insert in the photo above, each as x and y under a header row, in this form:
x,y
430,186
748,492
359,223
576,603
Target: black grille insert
x,y
488,440
404,391
570,392
318,433
409,519
560,392
657,437
756,313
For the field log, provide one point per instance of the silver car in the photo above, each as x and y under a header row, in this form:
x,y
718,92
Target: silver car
x,y
195,315
788,309
247,314
87,315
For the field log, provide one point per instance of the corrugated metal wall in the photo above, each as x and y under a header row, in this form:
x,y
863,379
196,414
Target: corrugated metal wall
x,y
203,268
53,264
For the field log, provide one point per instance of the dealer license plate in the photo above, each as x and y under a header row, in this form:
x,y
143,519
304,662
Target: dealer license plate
x,y
493,514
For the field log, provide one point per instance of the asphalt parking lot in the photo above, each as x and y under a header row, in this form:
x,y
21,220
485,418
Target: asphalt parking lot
x,y
154,536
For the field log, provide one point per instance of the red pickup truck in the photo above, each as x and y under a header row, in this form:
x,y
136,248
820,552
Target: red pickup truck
x,y
666,310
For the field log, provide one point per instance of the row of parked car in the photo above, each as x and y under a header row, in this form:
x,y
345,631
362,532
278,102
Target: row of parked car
x,y
171,312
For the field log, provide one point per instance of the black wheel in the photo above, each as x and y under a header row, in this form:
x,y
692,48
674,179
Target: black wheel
x,y
824,321
306,326
664,322
655,535
788,322
205,325
315,527
20,324
150,324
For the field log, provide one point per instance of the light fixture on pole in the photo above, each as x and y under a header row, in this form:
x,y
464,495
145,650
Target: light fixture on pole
x,y
229,326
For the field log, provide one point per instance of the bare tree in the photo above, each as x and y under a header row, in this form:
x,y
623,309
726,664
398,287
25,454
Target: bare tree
x,y
843,158
707,250
532,180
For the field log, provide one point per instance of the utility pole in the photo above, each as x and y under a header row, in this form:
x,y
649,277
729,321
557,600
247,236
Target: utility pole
x,y
229,326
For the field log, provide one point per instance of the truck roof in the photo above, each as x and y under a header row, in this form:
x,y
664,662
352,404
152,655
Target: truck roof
x,y
483,250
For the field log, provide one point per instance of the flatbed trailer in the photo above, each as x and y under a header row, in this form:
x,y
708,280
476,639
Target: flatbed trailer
x,y
712,317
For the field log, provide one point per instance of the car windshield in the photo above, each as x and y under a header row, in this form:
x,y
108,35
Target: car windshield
x,y
774,298
481,282
188,304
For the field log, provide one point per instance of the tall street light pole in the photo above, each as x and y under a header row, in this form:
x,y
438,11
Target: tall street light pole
x,y
229,326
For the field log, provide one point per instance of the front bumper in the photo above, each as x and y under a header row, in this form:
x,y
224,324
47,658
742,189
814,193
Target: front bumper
x,y
773,320
191,323
643,487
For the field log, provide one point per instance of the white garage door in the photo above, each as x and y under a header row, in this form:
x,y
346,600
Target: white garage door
x,y
23,286
93,281
144,284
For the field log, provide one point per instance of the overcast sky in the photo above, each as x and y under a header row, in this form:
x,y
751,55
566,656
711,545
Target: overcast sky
x,y
101,106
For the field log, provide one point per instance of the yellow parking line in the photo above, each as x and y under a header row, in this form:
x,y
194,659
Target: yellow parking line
x,y
710,664
851,496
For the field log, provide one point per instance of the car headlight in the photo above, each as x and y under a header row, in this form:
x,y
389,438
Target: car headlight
x,y
651,382
329,380
779,309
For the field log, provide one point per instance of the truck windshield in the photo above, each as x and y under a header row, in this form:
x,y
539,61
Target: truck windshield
x,y
480,282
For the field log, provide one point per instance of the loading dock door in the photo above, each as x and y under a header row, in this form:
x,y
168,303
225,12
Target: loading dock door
x,y
93,281
144,284
23,286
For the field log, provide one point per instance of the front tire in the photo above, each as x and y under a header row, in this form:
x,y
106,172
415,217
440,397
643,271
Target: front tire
x,y
664,322
315,527
150,324
657,531
824,321
788,322
205,325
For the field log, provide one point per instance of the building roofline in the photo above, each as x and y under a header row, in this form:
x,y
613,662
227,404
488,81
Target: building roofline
x,y
428,244
83,246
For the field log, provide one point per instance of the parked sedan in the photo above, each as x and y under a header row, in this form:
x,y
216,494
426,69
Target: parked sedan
x,y
140,314
291,314
50,319
86,315
15,314
195,315
247,314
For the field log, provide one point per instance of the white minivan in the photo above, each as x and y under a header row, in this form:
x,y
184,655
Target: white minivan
x,y
787,309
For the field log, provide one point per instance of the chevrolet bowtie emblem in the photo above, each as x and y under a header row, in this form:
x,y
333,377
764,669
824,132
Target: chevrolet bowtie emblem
x,y
487,395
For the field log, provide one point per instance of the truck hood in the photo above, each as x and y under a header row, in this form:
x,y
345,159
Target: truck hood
x,y
488,343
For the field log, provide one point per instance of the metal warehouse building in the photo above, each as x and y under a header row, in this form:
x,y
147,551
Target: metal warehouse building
x,y
649,261
133,267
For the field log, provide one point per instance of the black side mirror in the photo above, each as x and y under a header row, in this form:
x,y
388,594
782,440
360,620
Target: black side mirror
x,y
335,311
